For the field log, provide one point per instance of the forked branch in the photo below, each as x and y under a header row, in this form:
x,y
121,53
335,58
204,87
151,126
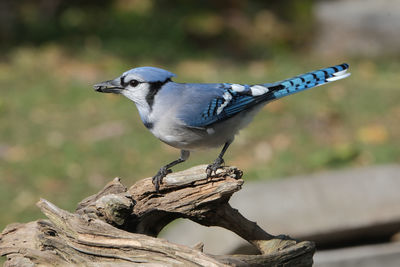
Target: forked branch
x,y
119,226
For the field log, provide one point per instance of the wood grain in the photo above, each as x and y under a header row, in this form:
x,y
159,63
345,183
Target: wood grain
x,y
119,226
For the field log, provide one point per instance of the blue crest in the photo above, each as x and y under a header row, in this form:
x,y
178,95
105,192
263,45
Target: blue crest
x,y
151,74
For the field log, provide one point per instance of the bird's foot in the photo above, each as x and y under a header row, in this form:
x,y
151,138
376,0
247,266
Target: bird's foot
x,y
158,178
212,168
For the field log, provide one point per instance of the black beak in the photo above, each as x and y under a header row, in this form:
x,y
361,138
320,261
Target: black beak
x,y
111,86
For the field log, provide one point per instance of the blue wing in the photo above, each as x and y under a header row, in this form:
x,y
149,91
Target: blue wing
x,y
211,103
218,102
229,103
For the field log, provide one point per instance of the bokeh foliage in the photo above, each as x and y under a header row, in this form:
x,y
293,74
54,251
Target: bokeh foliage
x,y
159,29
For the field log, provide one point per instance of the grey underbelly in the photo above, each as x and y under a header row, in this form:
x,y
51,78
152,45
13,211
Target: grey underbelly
x,y
212,136
193,139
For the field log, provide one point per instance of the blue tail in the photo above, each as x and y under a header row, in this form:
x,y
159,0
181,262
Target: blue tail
x,y
307,80
237,97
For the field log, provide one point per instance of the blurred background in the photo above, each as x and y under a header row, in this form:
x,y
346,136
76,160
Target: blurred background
x,y
62,141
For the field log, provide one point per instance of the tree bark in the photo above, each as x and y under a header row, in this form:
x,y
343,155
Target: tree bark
x,y
118,227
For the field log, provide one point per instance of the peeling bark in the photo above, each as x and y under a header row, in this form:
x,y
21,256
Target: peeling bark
x,y
118,227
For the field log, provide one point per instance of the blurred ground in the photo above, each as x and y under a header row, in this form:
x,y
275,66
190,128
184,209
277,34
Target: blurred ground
x,y
335,209
62,141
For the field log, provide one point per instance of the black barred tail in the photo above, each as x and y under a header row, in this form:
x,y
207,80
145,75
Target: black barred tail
x,y
240,97
308,80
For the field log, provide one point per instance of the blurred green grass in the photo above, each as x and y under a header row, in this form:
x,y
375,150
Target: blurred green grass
x,y
62,141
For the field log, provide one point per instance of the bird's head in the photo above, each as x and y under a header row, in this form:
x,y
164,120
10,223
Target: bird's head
x,y
136,83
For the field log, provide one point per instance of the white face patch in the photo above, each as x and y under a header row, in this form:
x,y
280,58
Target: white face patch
x,y
257,90
138,95
228,97
129,76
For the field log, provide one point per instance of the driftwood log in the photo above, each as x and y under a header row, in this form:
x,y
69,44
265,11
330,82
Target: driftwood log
x,y
119,227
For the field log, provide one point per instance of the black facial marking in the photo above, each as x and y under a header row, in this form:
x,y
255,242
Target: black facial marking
x,y
153,90
134,83
149,125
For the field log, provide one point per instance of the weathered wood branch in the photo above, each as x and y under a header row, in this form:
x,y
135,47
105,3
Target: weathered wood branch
x,y
119,226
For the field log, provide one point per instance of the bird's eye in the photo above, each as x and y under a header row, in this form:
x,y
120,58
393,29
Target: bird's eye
x,y
133,83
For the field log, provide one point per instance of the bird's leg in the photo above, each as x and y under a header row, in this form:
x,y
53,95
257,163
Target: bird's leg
x,y
212,168
164,170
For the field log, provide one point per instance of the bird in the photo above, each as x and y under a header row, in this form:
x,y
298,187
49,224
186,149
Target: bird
x,y
193,116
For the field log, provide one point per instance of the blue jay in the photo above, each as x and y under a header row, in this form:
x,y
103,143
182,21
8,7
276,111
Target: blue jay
x,y
192,116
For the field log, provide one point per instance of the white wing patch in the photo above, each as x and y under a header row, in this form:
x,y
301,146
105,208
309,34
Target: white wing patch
x,y
228,97
257,90
238,87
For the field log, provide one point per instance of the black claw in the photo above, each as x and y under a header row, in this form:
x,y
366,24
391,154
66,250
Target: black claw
x,y
212,168
158,178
